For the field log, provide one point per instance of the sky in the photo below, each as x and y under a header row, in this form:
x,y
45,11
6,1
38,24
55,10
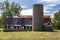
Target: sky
x,y
50,6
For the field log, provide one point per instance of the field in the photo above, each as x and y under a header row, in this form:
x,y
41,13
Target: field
x,y
30,35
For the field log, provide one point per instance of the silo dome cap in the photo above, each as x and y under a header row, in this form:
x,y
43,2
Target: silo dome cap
x,y
38,5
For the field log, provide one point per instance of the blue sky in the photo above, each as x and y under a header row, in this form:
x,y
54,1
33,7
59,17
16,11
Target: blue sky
x,y
50,6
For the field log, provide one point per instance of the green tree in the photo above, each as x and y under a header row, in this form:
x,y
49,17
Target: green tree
x,y
56,20
9,9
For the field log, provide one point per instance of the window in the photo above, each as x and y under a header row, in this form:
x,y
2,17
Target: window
x,y
16,20
8,21
28,21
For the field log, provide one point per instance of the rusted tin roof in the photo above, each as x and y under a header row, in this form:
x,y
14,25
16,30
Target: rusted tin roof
x,y
27,16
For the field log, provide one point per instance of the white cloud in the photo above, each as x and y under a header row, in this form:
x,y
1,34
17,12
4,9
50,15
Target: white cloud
x,y
48,4
46,9
49,1
27,12
23,6
46,12
52,5
30,12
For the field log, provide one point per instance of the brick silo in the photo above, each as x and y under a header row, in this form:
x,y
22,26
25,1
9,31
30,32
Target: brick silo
x,y
37,20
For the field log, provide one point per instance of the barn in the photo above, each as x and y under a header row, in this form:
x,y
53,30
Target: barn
x,y
33,22
21,23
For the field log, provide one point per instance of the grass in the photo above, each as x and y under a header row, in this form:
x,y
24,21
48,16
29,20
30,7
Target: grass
x,y
1,30
30,35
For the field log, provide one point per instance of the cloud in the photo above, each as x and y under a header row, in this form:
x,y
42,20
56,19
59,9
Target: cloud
x,y
27,12
51,5
30,12
46,12
23,6
47,9
48,4
49,1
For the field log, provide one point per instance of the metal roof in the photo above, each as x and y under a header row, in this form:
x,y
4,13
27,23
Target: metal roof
x,y
27,16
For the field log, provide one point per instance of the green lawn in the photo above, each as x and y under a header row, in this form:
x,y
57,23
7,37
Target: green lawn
x,y
30,35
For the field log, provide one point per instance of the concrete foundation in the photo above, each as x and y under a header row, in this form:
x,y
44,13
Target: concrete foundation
x,y
37,20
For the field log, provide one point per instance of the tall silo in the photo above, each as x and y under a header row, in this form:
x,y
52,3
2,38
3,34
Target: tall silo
x,y
37,20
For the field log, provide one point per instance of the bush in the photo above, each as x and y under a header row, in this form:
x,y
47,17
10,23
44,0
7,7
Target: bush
x,y
58,27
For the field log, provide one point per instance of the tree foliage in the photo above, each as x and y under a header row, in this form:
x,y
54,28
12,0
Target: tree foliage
x,y
9,9
56,20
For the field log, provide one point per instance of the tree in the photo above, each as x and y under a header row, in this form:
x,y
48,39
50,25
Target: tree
x,y
9,9
56,20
